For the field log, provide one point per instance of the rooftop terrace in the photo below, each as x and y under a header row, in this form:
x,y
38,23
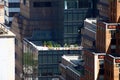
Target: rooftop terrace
x,y
51,46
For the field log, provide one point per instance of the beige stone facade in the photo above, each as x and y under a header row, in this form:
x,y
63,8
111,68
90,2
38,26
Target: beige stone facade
x,y
1,13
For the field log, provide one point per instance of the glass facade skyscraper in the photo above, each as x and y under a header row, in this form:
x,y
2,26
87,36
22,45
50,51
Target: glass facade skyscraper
x,y
75,12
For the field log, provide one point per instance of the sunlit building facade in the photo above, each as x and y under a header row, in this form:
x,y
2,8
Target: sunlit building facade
x,y
107,42
109,10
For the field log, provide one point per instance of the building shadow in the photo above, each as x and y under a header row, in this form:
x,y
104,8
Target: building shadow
x,y
119,20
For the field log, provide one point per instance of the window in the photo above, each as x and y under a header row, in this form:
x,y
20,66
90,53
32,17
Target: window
x,y
69,17
70,29
113,46
24,2
113,50
16,42
5,3
6,13
113,32
75,17
84,4
42,4
75,29
113,41
65,29
101,64
11,14
65,17
71,4
55,59
16,56
6,22
14,5
15,70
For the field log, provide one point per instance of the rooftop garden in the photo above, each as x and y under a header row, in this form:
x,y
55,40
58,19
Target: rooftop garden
x,y
55,45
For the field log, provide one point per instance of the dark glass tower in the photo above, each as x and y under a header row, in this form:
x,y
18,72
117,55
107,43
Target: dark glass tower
x,y
75,12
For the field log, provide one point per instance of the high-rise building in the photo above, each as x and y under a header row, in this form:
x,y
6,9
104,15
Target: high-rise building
x,y
44,17
88,33
107,38
103,61
108,26
75,12
107,50
107,41
112,67
11,7
109,10
94,65
7,56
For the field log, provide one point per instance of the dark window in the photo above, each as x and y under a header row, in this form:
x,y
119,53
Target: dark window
x,y
6,22
16,42
42,4
71,4
113,33
24,2
84,4
14,5
16,55
5,3
11,14
93,43
113,41
101,64
44,74
15,70
10,23
117,31
101,71
6,13
113,50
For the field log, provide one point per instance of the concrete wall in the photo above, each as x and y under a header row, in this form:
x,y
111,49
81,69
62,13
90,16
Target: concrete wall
x,y
7,59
